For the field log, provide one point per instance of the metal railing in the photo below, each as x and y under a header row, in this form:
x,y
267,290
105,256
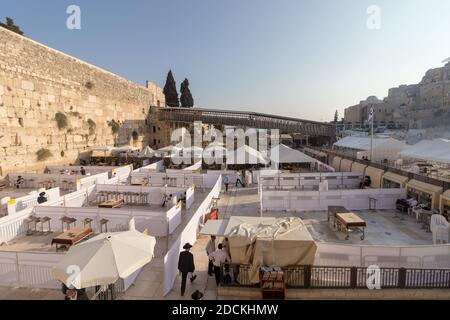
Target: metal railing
x,y
338,277
437,182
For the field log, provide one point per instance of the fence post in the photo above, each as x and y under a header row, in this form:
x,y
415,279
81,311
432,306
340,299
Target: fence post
x,y
402,278
353,277
307,276
18,270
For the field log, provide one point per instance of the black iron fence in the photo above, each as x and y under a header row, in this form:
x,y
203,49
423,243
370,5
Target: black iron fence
x,y
334,277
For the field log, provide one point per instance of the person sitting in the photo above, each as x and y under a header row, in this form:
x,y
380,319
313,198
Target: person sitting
x,y
20,180
42,198
83,171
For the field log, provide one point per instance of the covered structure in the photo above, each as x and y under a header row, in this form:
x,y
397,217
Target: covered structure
x,y
437,150
425,193
393,180
445,204
383,148
246,155
258,241
288,158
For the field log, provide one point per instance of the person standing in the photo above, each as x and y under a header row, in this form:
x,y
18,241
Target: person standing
x,y
42,198
226,182
218,257
210,248
239,179
186,266
83,171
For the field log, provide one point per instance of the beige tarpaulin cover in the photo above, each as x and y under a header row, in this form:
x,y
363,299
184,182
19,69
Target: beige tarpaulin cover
x,y
269,241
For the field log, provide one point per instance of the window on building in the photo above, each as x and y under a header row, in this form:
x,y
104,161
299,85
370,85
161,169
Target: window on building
x,y
159,141
154,129
154,141
159,129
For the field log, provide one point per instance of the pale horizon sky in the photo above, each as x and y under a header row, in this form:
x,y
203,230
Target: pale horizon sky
x,y
289,57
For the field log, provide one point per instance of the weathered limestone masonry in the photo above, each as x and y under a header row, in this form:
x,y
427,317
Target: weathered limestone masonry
x,y
37,82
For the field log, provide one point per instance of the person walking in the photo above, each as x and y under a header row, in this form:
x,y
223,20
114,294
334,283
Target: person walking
x,y
218,257
239,179
186,266
226,182
210,248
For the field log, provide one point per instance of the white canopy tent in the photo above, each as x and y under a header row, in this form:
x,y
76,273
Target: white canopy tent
x,y
437,150
383,148
245,155
283,154
147,152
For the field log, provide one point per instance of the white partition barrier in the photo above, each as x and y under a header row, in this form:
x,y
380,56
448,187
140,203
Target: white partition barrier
x,y
123,173
88,181
427,256
174,218
179,179
310,181
190,197
93,170
189,234
44,180
30,200
118,219
154,194
352,199
13,226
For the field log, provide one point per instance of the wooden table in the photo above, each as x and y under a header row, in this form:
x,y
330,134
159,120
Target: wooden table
x,y
71,237
334,210
112,204
349,221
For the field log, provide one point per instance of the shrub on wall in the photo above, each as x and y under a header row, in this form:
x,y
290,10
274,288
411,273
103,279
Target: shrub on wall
x,y
89,85
61,120
43,154
115,126
92,125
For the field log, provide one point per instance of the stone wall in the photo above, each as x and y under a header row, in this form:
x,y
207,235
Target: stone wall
x,y
37,82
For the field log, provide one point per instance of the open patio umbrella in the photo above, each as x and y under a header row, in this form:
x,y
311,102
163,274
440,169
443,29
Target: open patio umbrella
x,y
104,259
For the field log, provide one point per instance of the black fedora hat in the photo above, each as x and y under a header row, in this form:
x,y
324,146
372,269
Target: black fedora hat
x,y
197,295
187,246
42,194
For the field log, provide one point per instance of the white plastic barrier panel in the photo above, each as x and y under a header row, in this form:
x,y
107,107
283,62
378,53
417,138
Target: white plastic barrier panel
x,y
190,197
174,218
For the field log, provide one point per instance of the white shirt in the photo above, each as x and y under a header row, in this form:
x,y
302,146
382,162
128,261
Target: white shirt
x,y
218,257
210,247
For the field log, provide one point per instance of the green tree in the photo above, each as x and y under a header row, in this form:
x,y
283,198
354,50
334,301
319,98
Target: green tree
x,y
336,117
170,91
186,97
11,26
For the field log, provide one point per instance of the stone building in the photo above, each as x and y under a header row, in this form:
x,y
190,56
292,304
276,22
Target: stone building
x,y
415,106
61,106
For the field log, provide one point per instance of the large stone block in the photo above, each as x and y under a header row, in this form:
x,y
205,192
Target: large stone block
x,y
27,85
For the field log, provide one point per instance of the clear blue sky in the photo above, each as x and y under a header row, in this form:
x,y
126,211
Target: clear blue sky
x,y
288,57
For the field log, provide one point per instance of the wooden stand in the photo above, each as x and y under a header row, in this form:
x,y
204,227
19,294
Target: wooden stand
x,y
272,285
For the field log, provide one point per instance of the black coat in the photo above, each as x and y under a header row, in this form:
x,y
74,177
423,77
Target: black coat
x,y
186,262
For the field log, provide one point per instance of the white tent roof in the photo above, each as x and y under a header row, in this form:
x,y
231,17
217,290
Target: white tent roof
x,y
283,154
105,258
432,150
147,152
363,143
245,155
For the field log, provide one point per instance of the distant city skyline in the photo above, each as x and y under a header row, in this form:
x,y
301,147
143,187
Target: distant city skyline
x,y
295,58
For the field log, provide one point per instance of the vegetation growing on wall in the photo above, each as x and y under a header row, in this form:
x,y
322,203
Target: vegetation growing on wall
x,y
43,154
89,85
115,126
92,126
61,120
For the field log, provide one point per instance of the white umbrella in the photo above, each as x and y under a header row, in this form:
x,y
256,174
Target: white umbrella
x,y
104,259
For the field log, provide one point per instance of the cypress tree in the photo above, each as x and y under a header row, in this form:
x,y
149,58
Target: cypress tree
x,y
186,97
11,26
170,91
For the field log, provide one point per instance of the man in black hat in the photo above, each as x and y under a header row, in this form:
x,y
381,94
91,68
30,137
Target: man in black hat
x,y
42,198
185,266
